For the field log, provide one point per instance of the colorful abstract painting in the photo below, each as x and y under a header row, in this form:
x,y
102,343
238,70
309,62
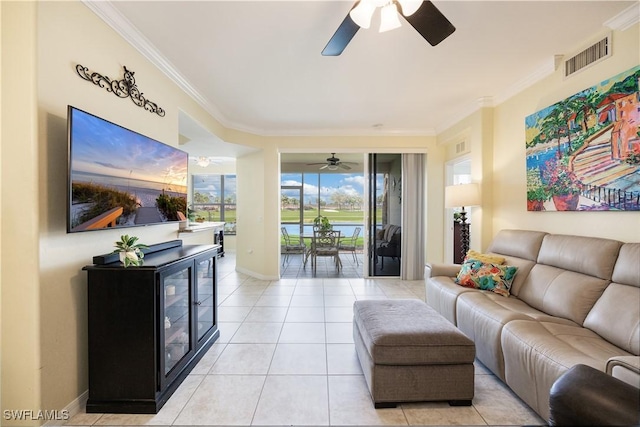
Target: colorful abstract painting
x,y
583,153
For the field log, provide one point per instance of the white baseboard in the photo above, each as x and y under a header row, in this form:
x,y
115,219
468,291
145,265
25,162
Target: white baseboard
x,y
74,408
256,275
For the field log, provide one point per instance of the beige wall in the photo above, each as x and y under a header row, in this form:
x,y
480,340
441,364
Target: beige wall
x,y
44,336
260,257
509,180
476,131
21,334
497,151
44,313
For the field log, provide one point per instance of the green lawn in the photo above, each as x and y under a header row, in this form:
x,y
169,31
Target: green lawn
x,y
355,217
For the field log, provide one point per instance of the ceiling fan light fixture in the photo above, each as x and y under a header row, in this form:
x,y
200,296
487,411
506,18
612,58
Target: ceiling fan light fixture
x,y
203,162
409,7
389,18
362,13
332,167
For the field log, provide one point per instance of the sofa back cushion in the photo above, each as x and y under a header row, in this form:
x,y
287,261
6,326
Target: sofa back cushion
x,y
571,274
524,267
627,269
520,249
588,255
517,243
616,315
560,292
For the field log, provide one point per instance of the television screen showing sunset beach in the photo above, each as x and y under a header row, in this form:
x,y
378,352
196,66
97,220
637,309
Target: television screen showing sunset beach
x,y
120,178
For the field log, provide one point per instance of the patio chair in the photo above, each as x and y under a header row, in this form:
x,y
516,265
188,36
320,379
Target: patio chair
x,y
292,245
349,244
325,243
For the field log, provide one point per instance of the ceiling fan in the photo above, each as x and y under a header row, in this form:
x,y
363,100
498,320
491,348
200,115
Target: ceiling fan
x,y
333,163
204,161
422,15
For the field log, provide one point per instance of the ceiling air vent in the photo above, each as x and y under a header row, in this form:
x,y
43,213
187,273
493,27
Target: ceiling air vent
x,y
588,57
461,147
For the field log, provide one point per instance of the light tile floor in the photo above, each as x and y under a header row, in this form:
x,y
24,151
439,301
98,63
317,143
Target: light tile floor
x,y
286,357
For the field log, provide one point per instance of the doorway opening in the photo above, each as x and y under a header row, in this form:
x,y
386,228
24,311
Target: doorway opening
x,y
384,214
308,190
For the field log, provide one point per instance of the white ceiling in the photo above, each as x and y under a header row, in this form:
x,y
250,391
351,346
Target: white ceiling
x,y
256,65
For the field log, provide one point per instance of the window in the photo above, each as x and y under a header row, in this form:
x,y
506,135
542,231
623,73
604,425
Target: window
x,y
338,196
214,199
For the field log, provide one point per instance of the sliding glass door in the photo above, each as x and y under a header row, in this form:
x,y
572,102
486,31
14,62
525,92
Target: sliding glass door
x,y
384,230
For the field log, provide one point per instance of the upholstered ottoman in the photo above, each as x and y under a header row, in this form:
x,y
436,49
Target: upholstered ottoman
x,y
410,353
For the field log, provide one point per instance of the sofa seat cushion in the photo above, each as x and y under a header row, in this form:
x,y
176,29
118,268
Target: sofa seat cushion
x,y
563,344
482,315
504,310
537,353
409,332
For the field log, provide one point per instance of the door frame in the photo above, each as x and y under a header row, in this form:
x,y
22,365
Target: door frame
x,y
450,179
301,210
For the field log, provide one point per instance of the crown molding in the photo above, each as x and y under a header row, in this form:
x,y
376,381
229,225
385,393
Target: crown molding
x,y
545,70
112,17
118,22
485,101
625,19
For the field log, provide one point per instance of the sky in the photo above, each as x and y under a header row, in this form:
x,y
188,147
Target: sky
x,y
103,148
210,185
348,183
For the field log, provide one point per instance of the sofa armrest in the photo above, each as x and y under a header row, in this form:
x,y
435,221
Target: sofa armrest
x,y
625,368
586,396
433,269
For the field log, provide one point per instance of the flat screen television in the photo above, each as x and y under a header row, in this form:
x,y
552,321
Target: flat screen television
x,y
119,178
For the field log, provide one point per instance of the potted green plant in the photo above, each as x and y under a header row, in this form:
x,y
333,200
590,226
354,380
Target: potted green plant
x,y
322,223
129,251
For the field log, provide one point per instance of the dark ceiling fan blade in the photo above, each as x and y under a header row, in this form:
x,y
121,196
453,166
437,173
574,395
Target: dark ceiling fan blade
x,y
341,37
431,23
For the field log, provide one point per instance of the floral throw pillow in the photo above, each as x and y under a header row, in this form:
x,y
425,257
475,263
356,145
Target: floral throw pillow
x,y
487,276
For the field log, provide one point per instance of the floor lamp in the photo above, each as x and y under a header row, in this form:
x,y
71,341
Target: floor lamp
x,y
459,196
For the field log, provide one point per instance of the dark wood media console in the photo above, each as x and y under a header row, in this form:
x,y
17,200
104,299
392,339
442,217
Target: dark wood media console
x,y
149,325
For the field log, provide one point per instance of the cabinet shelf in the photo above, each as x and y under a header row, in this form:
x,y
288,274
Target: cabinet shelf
x,y
135,362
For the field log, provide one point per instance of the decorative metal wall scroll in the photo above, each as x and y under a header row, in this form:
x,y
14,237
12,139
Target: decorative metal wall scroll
x,y
125,88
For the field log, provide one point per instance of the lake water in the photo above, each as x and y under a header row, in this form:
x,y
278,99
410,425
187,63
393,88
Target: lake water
x,y
345,229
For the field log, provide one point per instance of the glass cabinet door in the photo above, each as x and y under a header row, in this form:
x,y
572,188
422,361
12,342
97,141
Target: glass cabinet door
x,y
205,296
177,341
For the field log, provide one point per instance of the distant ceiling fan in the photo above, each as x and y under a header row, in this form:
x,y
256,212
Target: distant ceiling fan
x,y
422,15
333,163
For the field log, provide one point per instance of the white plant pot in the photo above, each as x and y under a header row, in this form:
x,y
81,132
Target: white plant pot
x,y
131,255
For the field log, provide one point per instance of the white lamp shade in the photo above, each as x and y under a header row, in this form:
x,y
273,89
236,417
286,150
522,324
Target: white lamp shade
x,y
456,196
409,7
389,18
362,13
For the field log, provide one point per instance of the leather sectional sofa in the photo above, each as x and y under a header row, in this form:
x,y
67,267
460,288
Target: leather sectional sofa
x,y
574,300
